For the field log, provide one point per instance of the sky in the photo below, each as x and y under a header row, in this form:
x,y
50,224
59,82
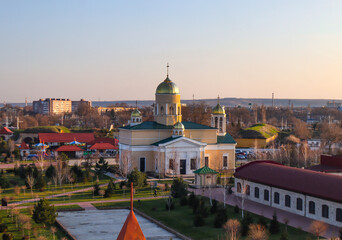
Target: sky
x,y
118,50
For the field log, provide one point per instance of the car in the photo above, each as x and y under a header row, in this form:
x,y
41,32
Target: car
x,y
29,157
240,157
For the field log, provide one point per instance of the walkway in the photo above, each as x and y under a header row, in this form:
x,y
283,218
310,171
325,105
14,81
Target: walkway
x,y
294,220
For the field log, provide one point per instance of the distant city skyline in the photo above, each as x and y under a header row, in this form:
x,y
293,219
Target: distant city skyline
x,y
111,51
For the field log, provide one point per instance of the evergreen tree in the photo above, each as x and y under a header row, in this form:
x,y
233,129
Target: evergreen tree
x,y
96,189
44,213
110,189
246,221
101,167
137,178
213,208
191,199
221,217
274,225
178,188
50,172
40,182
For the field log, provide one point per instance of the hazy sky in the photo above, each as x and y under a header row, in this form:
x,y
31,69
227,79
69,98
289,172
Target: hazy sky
x,y
118,50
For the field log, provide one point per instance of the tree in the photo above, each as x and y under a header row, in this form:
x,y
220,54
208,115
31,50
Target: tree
x,y
138,178
110,189
274,225
44,212
30,181
101,167
318,228
40,183
178,188
257,232
232,228
7,236
220,218
50,172
245,222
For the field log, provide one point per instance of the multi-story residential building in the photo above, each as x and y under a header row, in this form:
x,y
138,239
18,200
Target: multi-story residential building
x,y
52,106
76,104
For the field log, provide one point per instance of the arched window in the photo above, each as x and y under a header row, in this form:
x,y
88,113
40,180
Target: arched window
x,y
238,187
256,192
339,215
171,111
221,124
162,110
266,195
287,201
216,122
312,207
299,204
325,211
276,198
248,190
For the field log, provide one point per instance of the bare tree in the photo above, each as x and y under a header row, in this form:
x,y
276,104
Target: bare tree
x,y
61,171
125,163
243,193
53,230
30,181
257,232
232,228
318,228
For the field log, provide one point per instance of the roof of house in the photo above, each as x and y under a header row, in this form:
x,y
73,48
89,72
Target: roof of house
x,y
102,146
166,140
69,148
317,184
131,229
205,170
24,146
225,139
5,131
112,141
154,125
66,137
329,164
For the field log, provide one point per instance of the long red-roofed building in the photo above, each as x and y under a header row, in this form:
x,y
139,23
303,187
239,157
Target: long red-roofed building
x,y
58,138
305,192
5,133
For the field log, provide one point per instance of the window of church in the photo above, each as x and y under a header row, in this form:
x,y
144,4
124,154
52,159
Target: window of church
x,y
206,161
287,201
162,110
299,204
171,111
216,120
221,124
339,215
325,211
256,192
312,207
276,198
193,163
238,187
225,161
133,119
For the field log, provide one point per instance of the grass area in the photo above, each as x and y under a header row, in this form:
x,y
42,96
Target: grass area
x,y
47,129
50,189
88,196
73,207
260,130
181,219
17,233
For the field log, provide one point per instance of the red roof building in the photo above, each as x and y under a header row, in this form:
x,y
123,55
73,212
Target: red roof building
x,y
5,131
329,164
103,146
69,148
303,181
65,137
112,141
24,146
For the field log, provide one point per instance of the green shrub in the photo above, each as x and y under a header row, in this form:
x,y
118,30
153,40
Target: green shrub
x,y
97,189
231,180
4,182
245,222
110,189
262,221
213,208
220,218
183,201
284,236
44,213
191,199
274,224
40,182
178,188
3,228
199,220
137,178
7,236
49,173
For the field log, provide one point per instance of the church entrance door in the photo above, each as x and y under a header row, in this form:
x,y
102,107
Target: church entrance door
x,y
182,166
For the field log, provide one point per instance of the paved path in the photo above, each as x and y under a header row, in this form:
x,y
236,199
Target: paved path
x,y
266,211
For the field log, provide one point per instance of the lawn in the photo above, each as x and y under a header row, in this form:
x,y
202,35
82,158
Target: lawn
x,y
6,219
181,219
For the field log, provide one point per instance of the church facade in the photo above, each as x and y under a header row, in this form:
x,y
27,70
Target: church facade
x,y
170,146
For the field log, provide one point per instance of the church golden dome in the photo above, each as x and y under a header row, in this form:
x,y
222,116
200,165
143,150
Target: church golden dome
x,y
178,125
136,113
167,87
218,109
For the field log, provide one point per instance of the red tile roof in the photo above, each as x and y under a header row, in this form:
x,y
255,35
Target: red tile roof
x,y
66,137
24,146
112,141
68,148
5,131
102,146
317,184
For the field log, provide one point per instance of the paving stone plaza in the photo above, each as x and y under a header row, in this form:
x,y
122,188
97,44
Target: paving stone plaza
x,y
106,225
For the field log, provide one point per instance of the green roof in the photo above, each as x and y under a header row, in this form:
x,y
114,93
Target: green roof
x,y
167,87
260,131
225,139
205,170
154,125
166,140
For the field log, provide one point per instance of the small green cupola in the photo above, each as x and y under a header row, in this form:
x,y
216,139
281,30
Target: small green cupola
x,y
136,117
178,129
218,118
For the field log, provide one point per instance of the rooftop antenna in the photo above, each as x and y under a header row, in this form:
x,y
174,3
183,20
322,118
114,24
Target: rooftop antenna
x,y
218,99
136,104
193,99
25,101
272,99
